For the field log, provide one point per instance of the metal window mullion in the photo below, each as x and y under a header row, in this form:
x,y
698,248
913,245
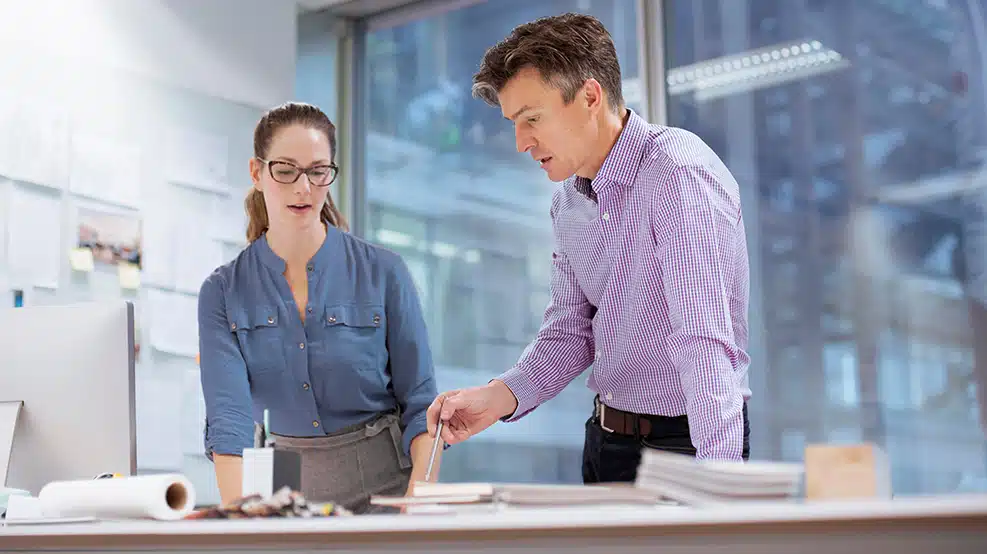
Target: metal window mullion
x,y
651,38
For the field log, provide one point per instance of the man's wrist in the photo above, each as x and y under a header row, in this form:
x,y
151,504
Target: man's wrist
x,y
507,403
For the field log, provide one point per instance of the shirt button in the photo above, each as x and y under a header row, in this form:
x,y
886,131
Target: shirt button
x,y
597,355
609,396
315,424
305,386
301,345
310,309
233,326
270,320
310,267
332,319
606,216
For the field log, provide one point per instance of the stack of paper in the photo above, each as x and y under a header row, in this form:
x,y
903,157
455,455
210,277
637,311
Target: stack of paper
x,y
520,495
684,479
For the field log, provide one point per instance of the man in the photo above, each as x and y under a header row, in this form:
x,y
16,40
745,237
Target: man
x,y
649,270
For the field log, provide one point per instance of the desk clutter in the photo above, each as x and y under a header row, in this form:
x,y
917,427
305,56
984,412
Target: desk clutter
x,y
518,495
165,497
284,503
663,479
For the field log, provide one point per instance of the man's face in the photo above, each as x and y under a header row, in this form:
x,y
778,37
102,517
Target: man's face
x,y
559,137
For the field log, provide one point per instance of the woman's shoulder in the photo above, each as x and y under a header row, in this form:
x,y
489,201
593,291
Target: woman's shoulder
x,y
234,275
368,254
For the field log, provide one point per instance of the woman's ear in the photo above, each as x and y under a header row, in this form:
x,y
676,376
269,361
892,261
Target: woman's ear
x,y
256,167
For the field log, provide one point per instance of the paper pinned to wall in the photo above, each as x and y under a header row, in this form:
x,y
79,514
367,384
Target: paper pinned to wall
x,y
106,169
159,440
5,187
38,151
129,276
195,258
82,260
173,322
158,249
229,220
198,159
34,235
195,253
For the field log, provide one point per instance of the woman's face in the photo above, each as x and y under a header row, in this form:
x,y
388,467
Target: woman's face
x,y
294,177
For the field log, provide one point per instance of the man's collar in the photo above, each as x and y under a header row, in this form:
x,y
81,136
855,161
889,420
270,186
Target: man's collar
x,y
622,162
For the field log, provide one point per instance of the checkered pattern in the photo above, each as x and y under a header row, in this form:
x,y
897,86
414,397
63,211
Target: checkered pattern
x,y
650,287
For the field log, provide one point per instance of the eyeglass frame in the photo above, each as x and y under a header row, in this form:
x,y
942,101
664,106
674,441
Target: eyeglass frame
x,y
301,171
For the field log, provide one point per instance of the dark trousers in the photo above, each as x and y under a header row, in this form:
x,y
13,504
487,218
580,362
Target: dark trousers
x,y
611,458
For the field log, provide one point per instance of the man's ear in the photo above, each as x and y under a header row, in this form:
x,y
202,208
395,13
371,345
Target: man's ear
x,y
592,94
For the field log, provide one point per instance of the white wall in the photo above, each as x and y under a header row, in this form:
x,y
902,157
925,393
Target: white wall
x,y
238,50
94,93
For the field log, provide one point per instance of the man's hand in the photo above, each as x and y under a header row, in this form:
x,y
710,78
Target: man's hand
x,y
466,412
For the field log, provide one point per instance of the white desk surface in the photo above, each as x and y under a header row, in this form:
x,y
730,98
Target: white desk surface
x,y
957,524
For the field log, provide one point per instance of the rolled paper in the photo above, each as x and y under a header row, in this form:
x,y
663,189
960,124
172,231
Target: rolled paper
x,y
164,497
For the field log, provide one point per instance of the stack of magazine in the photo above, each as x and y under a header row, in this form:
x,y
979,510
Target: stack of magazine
x,y
685,480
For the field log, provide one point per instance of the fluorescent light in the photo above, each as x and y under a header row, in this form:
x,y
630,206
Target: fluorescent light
x,y
754,69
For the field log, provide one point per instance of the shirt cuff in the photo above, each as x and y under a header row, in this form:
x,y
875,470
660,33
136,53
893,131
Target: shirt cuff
x,y
224,444
524,390
417,426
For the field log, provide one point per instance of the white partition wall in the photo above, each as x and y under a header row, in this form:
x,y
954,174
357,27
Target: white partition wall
x,y
125,130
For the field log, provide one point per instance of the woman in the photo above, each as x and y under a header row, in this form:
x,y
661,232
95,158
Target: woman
x,y
320,328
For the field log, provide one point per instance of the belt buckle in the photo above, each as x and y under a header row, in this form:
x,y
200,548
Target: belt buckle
x,y
601,412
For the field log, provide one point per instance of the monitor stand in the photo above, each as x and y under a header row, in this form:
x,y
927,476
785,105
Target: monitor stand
x,y
9,410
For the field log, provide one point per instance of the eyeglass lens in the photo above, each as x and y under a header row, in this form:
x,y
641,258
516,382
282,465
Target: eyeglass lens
x,y
287,173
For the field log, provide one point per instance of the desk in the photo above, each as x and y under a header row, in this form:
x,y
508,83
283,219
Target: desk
x,y
954,525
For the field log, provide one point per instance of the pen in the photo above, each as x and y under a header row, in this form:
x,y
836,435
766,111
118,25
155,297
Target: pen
x,y
435,448
266,435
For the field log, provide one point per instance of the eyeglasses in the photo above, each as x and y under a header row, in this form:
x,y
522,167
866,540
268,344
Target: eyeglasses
x,y
287,173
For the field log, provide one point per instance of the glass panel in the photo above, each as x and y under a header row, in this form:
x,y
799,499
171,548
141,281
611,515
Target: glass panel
x,y
858,133
316,64
482,241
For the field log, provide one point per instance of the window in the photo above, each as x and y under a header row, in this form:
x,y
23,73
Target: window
x,y
446,189
834,115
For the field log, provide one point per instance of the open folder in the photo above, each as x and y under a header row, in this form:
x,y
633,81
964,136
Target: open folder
x,y
519,495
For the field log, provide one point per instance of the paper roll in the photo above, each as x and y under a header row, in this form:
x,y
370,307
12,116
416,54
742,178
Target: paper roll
x,y
161,497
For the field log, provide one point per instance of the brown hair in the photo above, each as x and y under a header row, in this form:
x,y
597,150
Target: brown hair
x,y
567,50
291,113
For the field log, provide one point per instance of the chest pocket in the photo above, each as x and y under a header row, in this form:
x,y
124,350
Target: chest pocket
x,y
355,336
258,329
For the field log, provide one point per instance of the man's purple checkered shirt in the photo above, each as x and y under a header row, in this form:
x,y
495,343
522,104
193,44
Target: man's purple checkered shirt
x,y
650,286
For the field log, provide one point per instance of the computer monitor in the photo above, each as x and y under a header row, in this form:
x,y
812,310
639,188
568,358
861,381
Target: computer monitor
x,y
70,369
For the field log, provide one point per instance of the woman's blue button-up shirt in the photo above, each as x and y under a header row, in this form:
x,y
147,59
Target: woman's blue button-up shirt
x,y
362,350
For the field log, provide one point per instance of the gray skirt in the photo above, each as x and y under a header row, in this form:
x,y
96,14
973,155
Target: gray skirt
x,y
349,466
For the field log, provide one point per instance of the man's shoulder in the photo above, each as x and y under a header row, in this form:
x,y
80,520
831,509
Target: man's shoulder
x,y
669,148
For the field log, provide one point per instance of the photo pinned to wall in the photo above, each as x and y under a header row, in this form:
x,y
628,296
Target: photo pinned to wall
x,y
109,238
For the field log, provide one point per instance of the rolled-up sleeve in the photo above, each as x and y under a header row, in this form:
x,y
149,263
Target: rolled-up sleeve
x,y
229,424
411,367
